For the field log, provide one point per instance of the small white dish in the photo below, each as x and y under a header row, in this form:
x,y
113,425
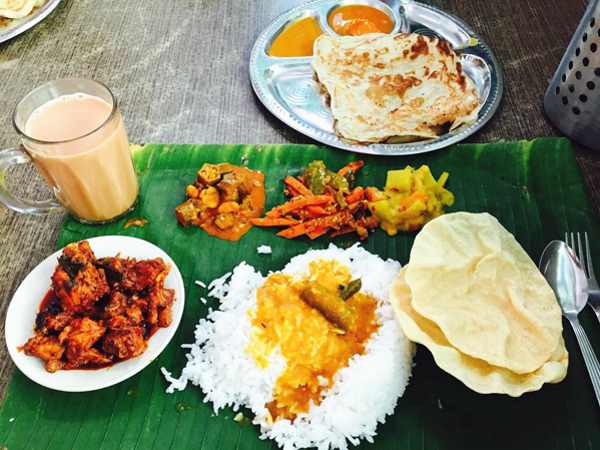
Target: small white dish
x,y
23,308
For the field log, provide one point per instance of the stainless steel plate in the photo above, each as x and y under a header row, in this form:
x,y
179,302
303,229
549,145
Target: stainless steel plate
x,y
18,26
286,86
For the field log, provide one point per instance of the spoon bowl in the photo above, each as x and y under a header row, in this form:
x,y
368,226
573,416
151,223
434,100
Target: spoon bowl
x,y
564,273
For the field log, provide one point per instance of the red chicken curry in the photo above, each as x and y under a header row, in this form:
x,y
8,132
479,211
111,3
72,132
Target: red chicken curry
x,y
99,311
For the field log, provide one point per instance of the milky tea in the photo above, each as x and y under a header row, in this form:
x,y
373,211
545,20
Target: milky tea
x,y
83,153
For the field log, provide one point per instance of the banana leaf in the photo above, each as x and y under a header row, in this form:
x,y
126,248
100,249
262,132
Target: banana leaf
x,y
533,187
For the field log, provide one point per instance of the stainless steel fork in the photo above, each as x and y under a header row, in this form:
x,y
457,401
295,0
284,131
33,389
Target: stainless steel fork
x,y
586,263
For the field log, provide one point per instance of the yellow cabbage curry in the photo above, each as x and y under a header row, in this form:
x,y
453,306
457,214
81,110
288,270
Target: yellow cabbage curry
x,y
315,333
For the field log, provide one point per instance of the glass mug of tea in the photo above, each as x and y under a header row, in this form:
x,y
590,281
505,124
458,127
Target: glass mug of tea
x,y
74,133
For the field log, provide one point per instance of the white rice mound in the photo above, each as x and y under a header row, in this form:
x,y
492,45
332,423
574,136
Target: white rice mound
x,y
363,393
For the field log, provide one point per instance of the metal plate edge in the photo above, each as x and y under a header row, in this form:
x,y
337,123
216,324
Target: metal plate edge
x,y
31,22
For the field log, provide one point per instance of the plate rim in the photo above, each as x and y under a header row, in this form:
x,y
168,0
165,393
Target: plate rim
x,y
29,23
43,377
331,139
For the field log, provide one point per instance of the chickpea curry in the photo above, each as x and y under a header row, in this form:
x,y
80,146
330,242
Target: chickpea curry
x,y
223,200
99,311
318,323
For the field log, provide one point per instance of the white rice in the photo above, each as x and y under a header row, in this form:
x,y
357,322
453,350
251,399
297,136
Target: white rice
x,y
200,283
264,250
363,393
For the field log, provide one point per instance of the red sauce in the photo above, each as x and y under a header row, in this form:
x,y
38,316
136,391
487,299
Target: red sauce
x,y
47,299
153,330
92,366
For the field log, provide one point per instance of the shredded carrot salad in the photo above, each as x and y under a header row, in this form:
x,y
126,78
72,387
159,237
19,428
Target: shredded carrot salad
x,y
321,202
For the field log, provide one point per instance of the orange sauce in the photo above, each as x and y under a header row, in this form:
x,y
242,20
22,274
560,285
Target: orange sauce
x,y
135,222
48,298
355,20
254,185
296,39
313,347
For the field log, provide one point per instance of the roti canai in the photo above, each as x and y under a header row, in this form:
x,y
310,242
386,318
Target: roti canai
x,y
384,87
17,9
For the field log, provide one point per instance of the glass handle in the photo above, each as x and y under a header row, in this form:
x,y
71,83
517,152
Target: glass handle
x,y
12,157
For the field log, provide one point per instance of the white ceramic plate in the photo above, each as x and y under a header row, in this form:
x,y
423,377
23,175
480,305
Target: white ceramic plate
x,y
20,320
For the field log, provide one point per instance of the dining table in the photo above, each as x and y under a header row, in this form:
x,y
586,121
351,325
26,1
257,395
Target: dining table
x,y
179,69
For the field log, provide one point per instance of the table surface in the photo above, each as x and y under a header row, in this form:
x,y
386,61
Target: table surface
x,y
179,69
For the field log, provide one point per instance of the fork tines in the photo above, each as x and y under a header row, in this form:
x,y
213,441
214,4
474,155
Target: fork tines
x,y
585,258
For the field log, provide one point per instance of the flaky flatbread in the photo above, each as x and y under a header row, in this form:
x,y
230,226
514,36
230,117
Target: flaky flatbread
x,y
400,87
17,9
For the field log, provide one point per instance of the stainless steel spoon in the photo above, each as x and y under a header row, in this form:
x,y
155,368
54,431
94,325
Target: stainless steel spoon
x,y
568,280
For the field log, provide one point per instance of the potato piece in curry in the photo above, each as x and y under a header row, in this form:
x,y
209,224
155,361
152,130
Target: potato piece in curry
x,y
222,200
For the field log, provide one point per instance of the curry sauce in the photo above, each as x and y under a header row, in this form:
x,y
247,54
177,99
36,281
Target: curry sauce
x,y
222,200
314,348
99,311
296,39
356,20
